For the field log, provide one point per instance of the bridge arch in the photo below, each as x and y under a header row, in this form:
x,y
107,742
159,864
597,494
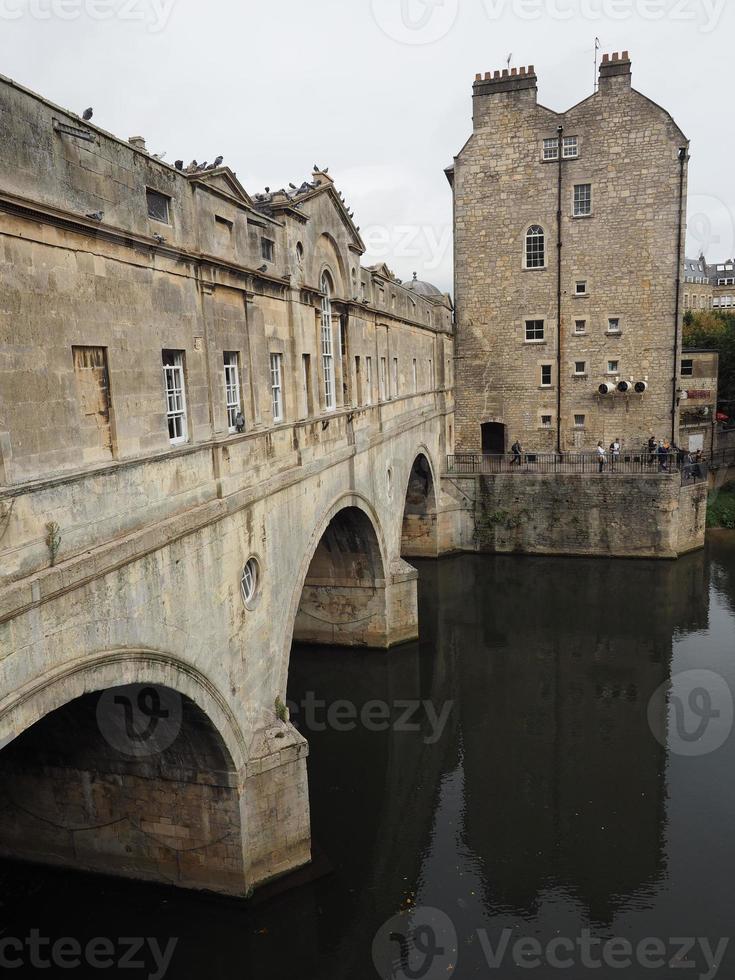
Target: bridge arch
x,y
115,668
419,531
116,771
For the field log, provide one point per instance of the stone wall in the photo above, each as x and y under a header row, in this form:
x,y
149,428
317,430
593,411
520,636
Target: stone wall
x,y
606,516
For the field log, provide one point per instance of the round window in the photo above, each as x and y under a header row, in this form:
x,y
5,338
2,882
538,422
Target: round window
x,y
250,581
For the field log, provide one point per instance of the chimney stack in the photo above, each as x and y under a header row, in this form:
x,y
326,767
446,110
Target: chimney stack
x,y
616,72
138,142
514,85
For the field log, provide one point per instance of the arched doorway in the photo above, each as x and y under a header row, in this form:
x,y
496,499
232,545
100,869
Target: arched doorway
x,y
419,531
343,601
132,781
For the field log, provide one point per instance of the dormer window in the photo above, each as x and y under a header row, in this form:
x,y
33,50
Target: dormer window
x,y
158,206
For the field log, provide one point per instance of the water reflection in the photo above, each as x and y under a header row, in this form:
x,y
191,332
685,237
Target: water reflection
x,y
546,805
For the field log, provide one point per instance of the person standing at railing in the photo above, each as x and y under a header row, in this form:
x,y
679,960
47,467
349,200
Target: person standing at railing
x,y
614,452
601,457
663,456
652,450
517,450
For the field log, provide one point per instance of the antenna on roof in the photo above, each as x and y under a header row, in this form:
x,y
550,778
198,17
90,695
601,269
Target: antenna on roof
x,y
510,58
598,45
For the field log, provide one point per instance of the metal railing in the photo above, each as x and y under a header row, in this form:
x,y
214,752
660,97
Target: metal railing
x,y
642,462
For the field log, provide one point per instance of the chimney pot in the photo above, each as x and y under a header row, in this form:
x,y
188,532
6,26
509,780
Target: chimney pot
x,y
505,73
616,56
606,59
523,72
138,142
514,71
478,77
626,56
488,76
531,70
496,75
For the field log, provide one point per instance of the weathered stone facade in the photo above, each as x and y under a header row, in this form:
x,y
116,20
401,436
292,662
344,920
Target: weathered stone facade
x,y
622,165
150,312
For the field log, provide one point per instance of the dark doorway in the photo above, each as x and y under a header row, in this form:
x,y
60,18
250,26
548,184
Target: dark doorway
x,y
493,438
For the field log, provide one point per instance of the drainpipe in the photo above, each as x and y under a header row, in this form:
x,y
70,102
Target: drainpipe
x,y
683,158
558,294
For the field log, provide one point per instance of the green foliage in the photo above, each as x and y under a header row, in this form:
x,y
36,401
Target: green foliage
x,y
721,508
715,330
281,710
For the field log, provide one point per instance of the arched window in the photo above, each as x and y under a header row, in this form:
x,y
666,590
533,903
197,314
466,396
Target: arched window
x,y
535,247
327,355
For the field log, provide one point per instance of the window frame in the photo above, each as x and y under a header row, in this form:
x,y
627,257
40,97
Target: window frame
x,y
327,345
232,388
550,369
614,330
267,249
569,141
531,326
175,395
151,192
689,373
583,331
580,373
550,149
577,424
584,292
615,370
534,235
276,380
579,202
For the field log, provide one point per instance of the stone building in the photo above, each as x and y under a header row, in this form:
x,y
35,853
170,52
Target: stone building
x,y
218,433
698,400
568,249
709,287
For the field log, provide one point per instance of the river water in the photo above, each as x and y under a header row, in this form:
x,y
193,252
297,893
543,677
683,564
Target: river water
x,y
512,788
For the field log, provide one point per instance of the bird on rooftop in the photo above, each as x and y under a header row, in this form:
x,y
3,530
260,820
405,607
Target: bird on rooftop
x,y
159,156
179,164
218,161
96,215
159,238
87,114
263,268
293,187
193,165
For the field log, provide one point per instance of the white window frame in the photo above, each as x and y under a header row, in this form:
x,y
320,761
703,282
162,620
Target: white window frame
x,y
233,401
582,203
584,291
580,332
174,384
614,329
551,148
577,372
276,373
549,424
550,382
533,329
534,247
611,369
327,345
570,143
368,380
577,423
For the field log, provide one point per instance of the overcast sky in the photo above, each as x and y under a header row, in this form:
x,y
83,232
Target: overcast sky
x,y
378,90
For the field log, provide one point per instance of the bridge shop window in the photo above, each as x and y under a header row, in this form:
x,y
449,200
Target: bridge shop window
x,y
534,330
159,206
535,247
232,388
276,369
173,379
326,339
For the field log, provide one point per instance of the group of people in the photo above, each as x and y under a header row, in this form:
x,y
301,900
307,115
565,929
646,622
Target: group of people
x,y
661,452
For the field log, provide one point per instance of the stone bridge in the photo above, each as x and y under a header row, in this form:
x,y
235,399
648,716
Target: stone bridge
x,y
219,434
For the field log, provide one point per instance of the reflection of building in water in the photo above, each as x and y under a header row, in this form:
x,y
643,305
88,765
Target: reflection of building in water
x,y
564,779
